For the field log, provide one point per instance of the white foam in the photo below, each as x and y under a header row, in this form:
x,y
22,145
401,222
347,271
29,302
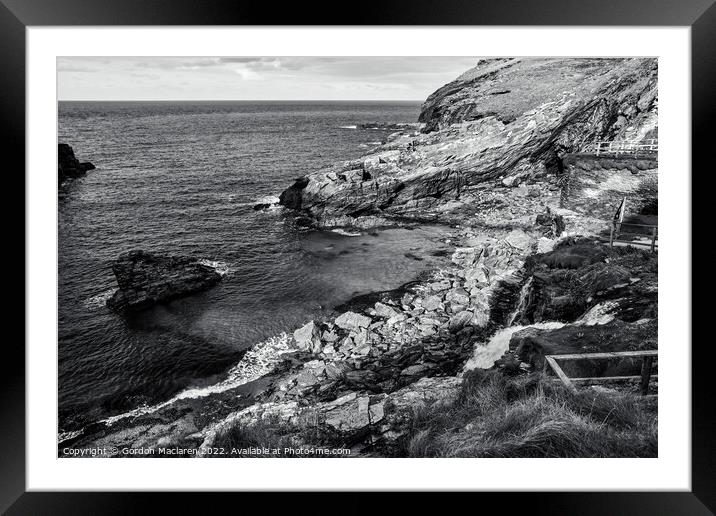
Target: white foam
x,y
267,199
100,300
486,354
348,127
222,268
66,436
256,363
345,232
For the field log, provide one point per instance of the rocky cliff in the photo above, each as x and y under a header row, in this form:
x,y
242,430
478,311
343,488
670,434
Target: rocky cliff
x,y
506,120
68,166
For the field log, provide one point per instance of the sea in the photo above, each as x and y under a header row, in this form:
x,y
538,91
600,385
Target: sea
x,y
183,178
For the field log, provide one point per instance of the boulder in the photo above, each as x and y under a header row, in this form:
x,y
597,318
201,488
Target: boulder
x,y
519,239
330,336
336,369
458,296
146,279
432,303
459,321
307,378
352,321
308,337
385,311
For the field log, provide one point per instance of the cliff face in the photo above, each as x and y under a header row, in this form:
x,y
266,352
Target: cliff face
x,y
506,119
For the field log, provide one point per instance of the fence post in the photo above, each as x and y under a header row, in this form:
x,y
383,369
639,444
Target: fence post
x,y
611,235
653,239
646,374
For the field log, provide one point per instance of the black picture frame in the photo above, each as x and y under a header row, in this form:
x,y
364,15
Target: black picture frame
x,y
17,15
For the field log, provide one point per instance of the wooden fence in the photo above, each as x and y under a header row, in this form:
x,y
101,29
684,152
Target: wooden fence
x,y
648,357
619,147
617,230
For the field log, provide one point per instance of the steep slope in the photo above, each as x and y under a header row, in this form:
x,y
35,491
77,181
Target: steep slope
x,y
506,118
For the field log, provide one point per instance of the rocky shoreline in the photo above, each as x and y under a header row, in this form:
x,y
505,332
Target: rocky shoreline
x,y
528,277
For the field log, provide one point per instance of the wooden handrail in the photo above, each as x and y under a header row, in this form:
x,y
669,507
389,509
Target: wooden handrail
x,y
622,146
615,231
609,354
648,357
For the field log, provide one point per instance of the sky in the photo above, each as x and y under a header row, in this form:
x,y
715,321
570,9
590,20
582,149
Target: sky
x,y
255,78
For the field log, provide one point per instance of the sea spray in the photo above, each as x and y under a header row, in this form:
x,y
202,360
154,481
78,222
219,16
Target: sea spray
x,y
99,300
222,268
256,363
66,436
486,354
345,232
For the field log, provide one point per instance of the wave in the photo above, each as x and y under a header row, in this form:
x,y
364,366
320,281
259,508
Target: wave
x,y
267,199
348,127
66,436
223,268
257,362
99,300
345,232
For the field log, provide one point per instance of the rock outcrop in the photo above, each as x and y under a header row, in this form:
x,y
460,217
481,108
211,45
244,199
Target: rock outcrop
x,y
146,279
68,166
506,119
583,275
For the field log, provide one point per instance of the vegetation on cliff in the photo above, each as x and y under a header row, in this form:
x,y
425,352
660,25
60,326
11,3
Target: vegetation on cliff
x,y
529,416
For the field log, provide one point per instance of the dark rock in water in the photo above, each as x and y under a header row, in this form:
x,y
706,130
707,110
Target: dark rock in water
x,y
261,206
413,257
292,196
68,166
550,224
145,279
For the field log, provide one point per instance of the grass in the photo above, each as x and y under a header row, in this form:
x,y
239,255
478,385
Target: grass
x,y
272,434
499,416
495,416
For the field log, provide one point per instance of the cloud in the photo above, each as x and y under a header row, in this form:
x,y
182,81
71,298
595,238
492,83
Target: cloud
x,y
257,77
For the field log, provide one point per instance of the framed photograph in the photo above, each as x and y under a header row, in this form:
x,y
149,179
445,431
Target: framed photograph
x,y
451,250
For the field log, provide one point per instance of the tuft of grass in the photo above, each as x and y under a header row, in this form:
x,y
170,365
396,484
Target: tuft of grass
x,y
273,434
259,435
528,416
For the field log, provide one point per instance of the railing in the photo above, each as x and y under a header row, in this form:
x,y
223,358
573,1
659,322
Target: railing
x,y
648,357
617,230
617,147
